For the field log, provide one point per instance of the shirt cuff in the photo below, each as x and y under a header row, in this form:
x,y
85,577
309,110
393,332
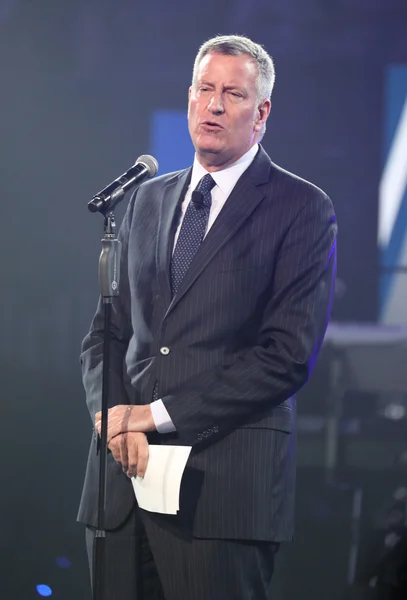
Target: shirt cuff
x,y
161,418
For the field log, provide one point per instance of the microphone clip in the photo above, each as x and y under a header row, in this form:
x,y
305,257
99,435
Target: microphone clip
x,y
197,199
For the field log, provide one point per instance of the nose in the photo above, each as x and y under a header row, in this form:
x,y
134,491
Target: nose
x,y
216,104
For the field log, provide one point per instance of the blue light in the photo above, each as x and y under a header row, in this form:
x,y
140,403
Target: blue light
x,y
63,562
44,590
170,141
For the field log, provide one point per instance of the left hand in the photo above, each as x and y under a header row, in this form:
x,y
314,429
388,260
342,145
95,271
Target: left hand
x,y
130,451
126,417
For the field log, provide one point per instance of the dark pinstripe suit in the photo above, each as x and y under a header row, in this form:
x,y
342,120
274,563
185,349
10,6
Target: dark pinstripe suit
x,y
244,331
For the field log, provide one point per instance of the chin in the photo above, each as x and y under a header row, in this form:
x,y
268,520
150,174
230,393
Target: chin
x,y
208,147
208,143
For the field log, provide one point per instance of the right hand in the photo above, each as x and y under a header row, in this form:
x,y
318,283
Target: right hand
x,y
130,450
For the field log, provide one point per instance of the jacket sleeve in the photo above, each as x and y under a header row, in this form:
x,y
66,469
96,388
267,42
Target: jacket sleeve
x,y
289,338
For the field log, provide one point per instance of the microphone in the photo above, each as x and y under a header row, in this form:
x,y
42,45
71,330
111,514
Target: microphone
x,y
197,199
145,167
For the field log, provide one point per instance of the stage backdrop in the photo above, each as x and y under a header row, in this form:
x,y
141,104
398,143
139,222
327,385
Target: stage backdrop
x,y
86,87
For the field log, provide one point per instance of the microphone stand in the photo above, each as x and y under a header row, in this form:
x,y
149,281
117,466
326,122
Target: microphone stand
x,y
109,275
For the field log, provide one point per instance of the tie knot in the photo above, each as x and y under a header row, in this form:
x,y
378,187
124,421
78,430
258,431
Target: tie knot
x,y
206,184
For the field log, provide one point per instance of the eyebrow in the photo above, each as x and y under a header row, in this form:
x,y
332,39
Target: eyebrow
x,y
235,87
231,86
204,82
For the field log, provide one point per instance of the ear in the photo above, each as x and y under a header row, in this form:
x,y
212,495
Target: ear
x,y
189,93
263,112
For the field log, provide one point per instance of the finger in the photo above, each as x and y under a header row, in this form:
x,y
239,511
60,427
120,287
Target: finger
x,y
124,459
117,420
113,429
142,457
132,449
114,447
98,422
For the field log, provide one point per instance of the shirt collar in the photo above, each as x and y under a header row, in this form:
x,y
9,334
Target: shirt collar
x,y
225,179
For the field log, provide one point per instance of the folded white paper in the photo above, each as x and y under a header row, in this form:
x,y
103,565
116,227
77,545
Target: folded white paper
x,y
159,489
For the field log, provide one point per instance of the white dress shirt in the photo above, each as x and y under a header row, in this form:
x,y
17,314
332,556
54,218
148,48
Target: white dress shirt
x,y
225,181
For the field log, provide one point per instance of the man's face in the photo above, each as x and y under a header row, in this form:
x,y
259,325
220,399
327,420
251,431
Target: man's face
x,y
225,118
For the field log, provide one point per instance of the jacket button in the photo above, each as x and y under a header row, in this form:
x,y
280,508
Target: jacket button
x,y
164,350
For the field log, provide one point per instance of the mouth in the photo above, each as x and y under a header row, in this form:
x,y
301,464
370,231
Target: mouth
x,y
211,126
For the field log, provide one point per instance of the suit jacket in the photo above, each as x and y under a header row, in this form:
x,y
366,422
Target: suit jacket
x,y
243,333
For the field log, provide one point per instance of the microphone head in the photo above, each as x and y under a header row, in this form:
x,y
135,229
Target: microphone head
x,y
149,162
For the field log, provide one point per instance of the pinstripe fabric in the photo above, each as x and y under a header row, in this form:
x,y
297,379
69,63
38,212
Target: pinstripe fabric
x,y
147,558
194,569
130,572
244,330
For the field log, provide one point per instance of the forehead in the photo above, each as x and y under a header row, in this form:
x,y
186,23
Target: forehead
x,y
227,69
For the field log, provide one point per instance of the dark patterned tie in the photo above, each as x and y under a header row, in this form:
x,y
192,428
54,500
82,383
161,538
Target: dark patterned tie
x,y
192,232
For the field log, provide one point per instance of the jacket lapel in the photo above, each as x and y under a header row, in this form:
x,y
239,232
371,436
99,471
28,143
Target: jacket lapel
x,y
248,192
174,192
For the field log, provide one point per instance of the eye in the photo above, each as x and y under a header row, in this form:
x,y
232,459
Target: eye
x,y
236,95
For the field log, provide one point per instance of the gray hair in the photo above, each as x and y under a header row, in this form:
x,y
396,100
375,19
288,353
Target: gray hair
x,y
235,45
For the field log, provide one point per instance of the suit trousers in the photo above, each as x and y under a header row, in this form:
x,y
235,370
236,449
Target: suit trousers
x,y
150,558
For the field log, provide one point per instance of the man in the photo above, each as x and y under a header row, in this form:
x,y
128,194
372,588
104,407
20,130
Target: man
x,y
211,339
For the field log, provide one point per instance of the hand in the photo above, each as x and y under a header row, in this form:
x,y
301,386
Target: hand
x,y
125,417
130,450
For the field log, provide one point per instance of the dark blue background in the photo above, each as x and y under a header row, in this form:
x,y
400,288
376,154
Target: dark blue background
x,y
80,84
